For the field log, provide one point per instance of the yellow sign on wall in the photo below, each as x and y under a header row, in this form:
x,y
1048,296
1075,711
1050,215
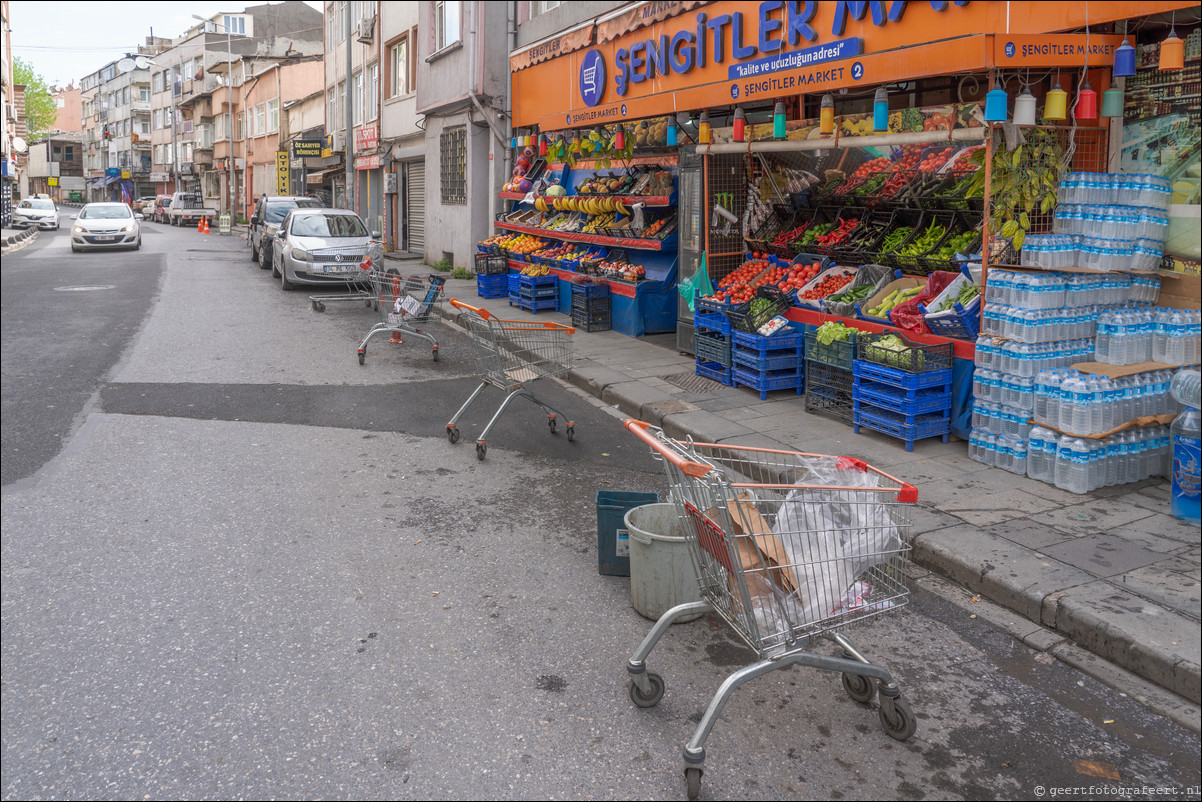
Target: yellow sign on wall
x,y
282,172
52,181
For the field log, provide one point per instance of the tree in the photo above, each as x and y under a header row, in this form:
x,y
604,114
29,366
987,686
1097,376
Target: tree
x,y
40,108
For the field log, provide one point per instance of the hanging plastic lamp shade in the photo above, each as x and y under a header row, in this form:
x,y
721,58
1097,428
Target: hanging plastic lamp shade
x,y
1024,108
513,143
542,144
703,129
1124,60
1172,52
620,138
1055,102
740,125
826,115
778,120
671,133
880,110
1087,104
995,105
1112,102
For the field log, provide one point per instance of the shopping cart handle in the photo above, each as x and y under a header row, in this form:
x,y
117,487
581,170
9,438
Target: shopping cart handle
x,y
458,304
639,429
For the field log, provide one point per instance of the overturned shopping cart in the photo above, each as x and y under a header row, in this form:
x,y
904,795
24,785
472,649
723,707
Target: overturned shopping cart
x,y
511,354
787,547
352,262
406,303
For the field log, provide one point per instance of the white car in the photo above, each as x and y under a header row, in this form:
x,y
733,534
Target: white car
x,y
104,226
36,212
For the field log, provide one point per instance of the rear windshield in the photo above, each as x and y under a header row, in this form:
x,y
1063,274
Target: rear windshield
x,y
278,210
328,225
114,212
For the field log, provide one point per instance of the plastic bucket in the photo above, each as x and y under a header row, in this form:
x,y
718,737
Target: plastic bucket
x,y
661,570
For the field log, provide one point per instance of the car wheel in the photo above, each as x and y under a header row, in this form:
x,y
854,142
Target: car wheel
x,y
254,254
285,284
267,259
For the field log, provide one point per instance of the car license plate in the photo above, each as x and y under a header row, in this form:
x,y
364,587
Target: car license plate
x,y
105,239
340,268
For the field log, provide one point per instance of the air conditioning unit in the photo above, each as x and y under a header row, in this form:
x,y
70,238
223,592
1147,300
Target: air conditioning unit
x,y
367,28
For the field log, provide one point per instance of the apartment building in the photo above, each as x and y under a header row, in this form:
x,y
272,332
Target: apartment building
x,y
8,121
56,167
116,120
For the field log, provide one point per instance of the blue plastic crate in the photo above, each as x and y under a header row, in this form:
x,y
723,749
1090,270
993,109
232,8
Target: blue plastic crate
x,y
785,359
764,381
492,282
514,282
772,342
533,305
537,281
888,423
589,290
963,324
712,306
715,371
711,321
537,293
894,377
907,403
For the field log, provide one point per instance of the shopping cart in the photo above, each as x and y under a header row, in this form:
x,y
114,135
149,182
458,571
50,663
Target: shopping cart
x,y
405,302
511,354
352,261
787,547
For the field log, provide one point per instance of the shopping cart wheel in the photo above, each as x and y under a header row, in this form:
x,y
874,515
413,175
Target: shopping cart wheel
x,y
318,306
651,699
902,725
692,781
551,423
481,450
362,357
571,432
453,434
859,688
435,353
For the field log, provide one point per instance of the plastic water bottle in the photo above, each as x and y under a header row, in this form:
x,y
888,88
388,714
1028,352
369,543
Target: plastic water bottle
x,y
1072,467
1041,463
1184,433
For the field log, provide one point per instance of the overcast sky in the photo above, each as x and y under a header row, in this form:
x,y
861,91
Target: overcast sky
x,y
66,41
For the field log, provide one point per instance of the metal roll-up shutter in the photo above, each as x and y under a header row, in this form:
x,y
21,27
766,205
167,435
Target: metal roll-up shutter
x,y
415,200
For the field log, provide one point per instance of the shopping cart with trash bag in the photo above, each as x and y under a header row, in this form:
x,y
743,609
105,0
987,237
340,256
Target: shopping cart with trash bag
x,y
787,548
353,262
511,354
406,303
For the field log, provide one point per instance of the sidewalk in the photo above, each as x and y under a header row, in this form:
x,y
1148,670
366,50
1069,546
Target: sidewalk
x,y
1112,571
11,237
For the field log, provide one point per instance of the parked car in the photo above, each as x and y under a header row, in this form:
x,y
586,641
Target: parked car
x,y
145,205
37,212
159,213
265,221
320,246
187,208
102,226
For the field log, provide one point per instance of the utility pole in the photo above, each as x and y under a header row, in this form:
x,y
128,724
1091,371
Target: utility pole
x,y
349,194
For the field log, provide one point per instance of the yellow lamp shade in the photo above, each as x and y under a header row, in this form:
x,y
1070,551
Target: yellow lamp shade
x,y
1055,105
1172,53
826,115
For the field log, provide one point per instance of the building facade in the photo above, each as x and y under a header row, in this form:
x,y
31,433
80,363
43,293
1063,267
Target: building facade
x,y
56,167
116,122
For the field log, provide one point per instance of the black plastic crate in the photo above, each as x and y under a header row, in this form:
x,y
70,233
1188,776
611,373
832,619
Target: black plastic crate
x,y
839,354
712,348
591,321
750,316
490,264
823,399
918,358
831,377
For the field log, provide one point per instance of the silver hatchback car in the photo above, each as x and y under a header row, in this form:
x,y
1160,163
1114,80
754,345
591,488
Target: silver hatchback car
x,y
102,226
321,246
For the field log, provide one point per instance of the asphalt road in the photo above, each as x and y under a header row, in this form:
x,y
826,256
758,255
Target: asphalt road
x,y
239,565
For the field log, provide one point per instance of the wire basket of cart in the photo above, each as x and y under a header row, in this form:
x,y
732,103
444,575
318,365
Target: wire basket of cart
x,y
510,355
787,548
406,303
354,262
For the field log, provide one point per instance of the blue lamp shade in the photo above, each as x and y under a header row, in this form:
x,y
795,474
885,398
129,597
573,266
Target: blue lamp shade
x,y
995,106
513,143
880,110
778,120
1124,60
671,133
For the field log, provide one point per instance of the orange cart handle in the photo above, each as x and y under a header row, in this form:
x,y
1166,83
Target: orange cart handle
x,y
458,304
639,429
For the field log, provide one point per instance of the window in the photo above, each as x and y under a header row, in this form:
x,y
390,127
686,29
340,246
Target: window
x,y
273,116
453,166
331,22
399,64
234,24
331,110
340,111
260,119
373,90
446,23
341,15
69,153
543,6
144,93
357,99
159,83
242,125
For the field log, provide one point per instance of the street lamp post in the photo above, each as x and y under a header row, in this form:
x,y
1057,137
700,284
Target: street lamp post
x,y
232,199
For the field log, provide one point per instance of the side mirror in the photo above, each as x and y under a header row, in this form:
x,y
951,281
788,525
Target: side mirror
x,y
375,235
139,216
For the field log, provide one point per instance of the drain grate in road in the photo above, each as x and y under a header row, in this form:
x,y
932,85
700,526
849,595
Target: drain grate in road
x,y
692,383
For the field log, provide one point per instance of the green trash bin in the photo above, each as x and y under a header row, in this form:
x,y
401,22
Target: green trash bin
x,y
613,542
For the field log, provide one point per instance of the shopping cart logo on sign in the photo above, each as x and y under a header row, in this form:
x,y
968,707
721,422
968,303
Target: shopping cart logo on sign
x,y
592,77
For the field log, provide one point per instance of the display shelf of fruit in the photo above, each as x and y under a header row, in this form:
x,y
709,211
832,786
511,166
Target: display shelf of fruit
x,y
628,239
797,276
660,228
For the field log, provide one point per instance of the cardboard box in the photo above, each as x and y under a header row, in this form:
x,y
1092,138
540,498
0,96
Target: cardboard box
x,y
758,549
903,283
1119,371
1179,290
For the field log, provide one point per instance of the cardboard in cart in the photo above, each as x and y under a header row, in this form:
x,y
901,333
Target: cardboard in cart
x,y
762,552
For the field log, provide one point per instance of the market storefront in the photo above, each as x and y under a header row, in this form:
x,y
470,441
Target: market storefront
x,y
903,152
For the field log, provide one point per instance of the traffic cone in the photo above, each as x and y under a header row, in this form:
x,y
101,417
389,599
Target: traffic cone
x,y
204,221
200,226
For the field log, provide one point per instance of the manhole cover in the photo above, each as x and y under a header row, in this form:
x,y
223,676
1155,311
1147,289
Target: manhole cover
x,y
692,383
86,288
